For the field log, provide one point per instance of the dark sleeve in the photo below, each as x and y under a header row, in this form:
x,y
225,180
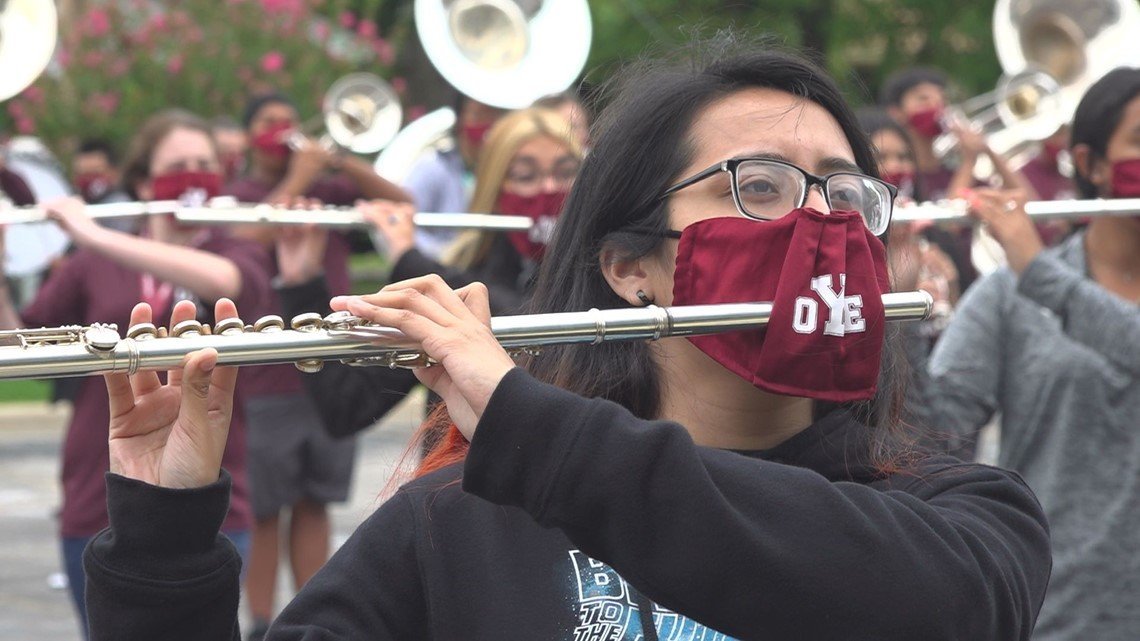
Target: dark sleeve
x,y
162,570
349,399
504,298
758,549
370,589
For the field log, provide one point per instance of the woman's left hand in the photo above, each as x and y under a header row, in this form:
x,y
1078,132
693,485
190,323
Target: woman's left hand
x,y
453,327
1003,213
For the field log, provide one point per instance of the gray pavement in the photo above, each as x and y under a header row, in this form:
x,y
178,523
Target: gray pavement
x,y
30,606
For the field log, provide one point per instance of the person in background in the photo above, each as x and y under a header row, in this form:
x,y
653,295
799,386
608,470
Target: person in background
x,y
101,282
1052,343
916,98
568,105
1050,173
634,489
296,468
233,144
278,172
914,263
442,180
95,176
95,172
920,253
528,163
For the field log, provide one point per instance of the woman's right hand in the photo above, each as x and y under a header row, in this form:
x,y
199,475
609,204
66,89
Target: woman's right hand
x,y
174,434
394,222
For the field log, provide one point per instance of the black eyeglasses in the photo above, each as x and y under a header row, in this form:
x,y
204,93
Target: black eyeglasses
x,y
767,189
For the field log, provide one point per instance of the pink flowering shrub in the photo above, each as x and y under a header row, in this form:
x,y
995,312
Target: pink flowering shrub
x,y
118,62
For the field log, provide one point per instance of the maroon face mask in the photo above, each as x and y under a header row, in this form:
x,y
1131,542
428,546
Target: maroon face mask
x,y
928,122
174,186
825,276
1126,178
543,209
474,134
93,186
272,141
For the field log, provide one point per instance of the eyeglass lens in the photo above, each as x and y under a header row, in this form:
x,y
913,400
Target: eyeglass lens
x,y
770,190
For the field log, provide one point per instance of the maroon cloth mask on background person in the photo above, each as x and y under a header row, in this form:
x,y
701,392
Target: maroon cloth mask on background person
x,y
272,140
928,122
174,185
475,133
543,209
825,276
1126,178
93,186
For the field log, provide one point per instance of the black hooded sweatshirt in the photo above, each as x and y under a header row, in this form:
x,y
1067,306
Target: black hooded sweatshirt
x,y
572,519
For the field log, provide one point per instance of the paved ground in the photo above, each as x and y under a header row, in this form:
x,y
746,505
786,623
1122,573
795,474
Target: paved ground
x,y
31,607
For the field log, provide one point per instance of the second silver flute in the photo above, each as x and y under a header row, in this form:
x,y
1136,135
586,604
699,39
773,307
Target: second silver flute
x,y
955,210
99,349
227,211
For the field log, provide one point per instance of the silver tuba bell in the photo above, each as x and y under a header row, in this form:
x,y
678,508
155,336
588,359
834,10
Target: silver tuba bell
x,y
506,53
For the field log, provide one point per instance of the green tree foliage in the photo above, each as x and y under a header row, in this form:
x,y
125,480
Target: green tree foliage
x,y
119,61
859,41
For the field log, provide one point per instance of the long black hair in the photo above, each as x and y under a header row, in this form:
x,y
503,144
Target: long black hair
x,y
642,144
1098,115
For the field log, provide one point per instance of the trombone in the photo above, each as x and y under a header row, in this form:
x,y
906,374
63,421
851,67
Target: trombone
x,y
311,339
361,113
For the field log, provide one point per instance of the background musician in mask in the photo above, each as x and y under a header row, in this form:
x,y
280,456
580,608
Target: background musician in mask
x,y
1052,343
105,277
443,180
96,178
296,469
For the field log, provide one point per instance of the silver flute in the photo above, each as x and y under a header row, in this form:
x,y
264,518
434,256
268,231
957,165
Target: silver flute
x,y
228,211
955,210
313,339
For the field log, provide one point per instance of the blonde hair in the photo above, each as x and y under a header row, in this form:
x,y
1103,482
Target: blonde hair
x,y
503,141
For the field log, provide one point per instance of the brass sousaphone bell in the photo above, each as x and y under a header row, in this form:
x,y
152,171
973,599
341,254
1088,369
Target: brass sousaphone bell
x,y
504,53
1050,52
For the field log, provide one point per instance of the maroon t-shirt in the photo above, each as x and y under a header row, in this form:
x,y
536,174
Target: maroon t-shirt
x,y
333,190
1047,181
89,288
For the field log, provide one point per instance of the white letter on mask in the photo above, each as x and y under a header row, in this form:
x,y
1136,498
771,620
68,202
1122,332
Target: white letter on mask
x,y
806,314
834,300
